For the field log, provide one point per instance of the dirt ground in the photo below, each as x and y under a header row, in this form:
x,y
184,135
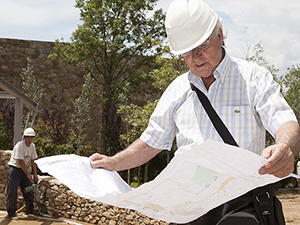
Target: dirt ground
x,y
32,220
290,199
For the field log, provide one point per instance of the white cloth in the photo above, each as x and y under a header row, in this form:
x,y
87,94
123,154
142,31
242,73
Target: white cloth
x,y
244,95
22,151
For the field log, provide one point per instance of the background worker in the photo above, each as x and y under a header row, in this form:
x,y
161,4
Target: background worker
x,y
19,170
243,94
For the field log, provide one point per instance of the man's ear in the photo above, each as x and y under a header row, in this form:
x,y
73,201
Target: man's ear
x,y
220,36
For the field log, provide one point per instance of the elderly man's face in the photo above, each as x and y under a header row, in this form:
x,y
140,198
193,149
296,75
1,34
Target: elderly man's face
x,y
203,63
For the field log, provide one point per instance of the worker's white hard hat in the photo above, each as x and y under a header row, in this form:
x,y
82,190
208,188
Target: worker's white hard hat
x,y
29,132
188,24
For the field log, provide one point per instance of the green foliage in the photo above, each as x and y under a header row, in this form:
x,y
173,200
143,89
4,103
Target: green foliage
x,y
258,58
30,85
7,115
56,119
291,85
32,90
112,44
291,81
289,182
81,117
54,133
170,68
136,117
46,146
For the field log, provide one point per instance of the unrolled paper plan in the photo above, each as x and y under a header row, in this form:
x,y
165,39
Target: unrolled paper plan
x,y
76,172
193,183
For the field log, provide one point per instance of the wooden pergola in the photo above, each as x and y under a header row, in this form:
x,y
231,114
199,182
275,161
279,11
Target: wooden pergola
x,y
10,92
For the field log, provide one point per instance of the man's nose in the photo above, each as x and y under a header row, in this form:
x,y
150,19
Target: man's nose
x,y
196,54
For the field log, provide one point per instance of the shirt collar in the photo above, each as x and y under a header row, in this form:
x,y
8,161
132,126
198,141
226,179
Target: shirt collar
x,y
219,72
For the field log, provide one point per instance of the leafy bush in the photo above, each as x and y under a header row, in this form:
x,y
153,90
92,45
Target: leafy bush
x,y
46,146
7,112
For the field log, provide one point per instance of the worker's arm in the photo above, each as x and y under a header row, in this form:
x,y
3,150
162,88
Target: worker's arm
x,y
34,169
279,157
135,155
24,168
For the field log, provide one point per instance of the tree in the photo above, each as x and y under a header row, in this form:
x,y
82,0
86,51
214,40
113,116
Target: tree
x,y
258,58
291,81
81,117
137,117
30,85
7,115
291,84
115,42
56,119
33,91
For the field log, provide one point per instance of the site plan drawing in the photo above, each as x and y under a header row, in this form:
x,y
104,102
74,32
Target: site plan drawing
x,y
193,183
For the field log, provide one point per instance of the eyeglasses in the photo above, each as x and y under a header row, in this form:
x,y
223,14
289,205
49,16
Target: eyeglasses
x,y
199,48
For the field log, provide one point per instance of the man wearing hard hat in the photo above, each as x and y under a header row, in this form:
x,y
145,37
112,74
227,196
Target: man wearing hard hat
x,y
243,94
19,173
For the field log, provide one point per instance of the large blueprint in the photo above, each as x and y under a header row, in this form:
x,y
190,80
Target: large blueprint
x,y
193,182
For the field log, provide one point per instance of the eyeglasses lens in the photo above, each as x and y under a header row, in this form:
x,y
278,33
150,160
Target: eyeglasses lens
x,y
199,48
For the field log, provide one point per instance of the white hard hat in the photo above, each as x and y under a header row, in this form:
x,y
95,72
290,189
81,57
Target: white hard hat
x,y
29,132
188,24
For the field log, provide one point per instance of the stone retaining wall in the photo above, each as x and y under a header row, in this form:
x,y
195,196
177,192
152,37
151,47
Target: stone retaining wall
x,y
4,158
51,76
59,201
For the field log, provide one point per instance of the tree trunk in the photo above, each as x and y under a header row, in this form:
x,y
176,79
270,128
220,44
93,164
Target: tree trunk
x,y
168,157
111,123
146,177
139,176
128,177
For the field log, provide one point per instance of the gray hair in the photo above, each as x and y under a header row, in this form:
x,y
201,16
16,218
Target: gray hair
x,y
219,26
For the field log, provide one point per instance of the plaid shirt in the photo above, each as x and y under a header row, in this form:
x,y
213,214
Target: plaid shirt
x,y
244,95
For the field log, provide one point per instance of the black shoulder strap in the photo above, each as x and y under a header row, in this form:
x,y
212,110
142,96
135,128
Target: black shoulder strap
x,y
214,117
263,198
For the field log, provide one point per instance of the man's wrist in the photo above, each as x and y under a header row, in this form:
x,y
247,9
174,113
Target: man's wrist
x,y
288,148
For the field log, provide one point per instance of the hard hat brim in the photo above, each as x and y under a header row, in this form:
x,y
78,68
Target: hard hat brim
x,y
189,24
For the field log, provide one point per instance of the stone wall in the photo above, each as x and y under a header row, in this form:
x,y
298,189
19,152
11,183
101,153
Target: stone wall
x,y
51,75
4,158
59,201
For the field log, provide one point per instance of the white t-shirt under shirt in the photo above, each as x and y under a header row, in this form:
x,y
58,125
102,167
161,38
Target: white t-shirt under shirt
x,y
22,151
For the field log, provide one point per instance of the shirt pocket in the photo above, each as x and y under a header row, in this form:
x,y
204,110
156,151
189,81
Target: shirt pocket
x,y
241,123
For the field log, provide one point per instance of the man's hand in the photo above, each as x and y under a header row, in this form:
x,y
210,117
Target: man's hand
x,y
135,155
30,178
280,162
36,179
102,161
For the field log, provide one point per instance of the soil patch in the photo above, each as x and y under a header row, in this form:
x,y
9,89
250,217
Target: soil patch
x,y
290,199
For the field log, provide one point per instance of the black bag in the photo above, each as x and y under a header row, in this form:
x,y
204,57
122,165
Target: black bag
x,y
267,206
